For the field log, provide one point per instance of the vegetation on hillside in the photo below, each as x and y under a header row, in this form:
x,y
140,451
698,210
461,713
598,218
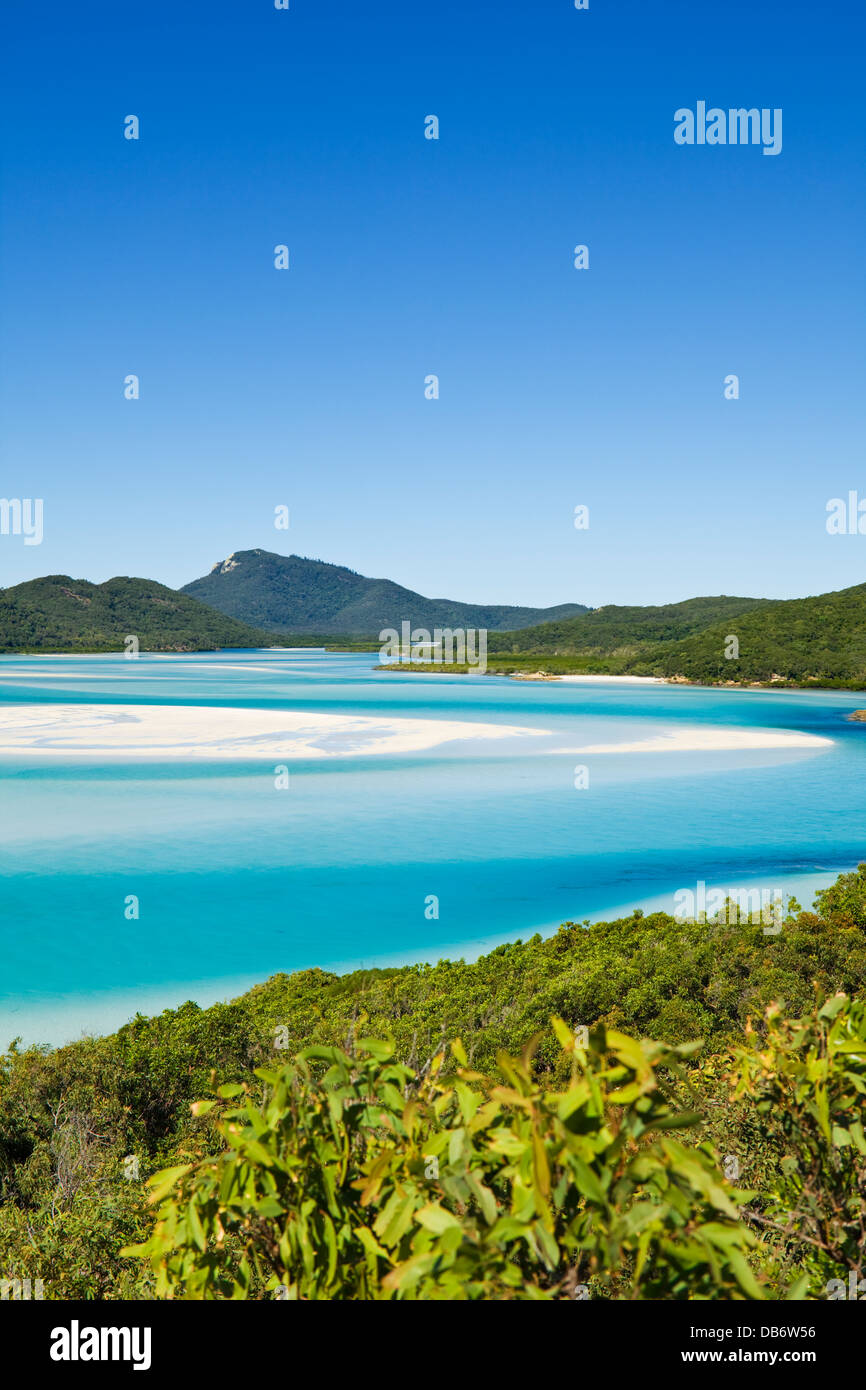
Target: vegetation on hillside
x,y
290,593
59,614
82,1127
819,641
620,632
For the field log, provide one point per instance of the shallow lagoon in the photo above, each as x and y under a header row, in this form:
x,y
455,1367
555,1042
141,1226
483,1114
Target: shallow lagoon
x,y
237,879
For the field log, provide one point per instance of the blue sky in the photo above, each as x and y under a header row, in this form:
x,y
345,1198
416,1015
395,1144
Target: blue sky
x,y
305,388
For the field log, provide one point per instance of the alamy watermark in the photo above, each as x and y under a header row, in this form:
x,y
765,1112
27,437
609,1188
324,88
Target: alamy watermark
x,y
444,647
21,1290
846,516
77,1343
736,126
756,907
22,516
854,1290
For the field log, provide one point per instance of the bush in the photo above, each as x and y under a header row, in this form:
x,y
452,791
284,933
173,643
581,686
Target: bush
x,y
807,1081
355,1177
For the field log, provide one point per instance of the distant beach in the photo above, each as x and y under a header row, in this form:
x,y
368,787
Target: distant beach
x,y
703,740
619,680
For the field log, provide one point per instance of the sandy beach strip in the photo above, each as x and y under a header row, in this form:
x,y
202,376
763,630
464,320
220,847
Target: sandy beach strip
x,y
709,740
616,680
202,731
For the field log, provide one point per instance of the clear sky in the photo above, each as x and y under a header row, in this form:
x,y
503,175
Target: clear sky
x,y
411,257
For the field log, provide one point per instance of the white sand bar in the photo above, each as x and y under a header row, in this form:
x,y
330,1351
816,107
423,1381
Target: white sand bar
x,y
201,731
710,740
617,680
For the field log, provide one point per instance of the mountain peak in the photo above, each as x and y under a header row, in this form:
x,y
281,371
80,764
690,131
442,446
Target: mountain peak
x,y
297,594
224,566
238,556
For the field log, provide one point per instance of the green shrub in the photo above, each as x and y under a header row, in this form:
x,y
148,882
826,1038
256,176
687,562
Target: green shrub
x,y
807,1083
358,1178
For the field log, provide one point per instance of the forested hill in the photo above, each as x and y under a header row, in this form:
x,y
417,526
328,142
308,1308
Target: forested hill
x,y
289,593
622,631
819,640
60,614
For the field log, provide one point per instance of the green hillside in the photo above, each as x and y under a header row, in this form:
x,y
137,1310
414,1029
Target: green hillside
x,y
288,593
621,632
59,614
819,640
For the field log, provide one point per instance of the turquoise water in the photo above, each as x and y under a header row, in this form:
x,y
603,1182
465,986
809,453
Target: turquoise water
x,y
237,880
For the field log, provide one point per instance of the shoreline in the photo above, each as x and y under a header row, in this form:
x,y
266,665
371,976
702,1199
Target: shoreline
x,y
101,1012
780,686
619,680
432,668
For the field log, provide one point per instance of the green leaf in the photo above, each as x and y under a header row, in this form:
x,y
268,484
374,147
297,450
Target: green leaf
x,y
435,1218
162,1183
195,1226
587,1183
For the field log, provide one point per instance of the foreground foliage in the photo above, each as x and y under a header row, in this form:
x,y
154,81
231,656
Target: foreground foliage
x,y
83,1127
807,1082
371,1181
357,1178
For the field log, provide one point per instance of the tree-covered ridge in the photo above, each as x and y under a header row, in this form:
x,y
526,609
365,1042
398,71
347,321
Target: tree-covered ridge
x,y
819,641
73,1119
813,641
60,614
290,593
622,631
